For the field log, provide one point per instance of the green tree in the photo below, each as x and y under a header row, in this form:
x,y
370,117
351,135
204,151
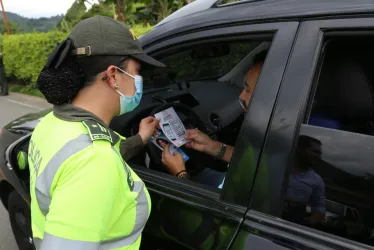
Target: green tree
x,y
73,15
131,12
155,11
12,26
99,9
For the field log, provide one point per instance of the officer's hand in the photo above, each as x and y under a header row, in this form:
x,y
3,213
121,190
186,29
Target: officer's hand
x,y
174,163
147,128
201,142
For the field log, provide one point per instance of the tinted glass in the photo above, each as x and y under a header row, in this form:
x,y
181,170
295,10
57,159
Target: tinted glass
x,y
203,61
332,176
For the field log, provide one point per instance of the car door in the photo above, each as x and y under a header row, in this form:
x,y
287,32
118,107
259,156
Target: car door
x,y
344,162
189,215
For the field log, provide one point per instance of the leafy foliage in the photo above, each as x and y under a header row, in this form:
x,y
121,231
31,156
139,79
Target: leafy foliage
x,y
12,26
140,29
18,23
73,16
24,55
99,9
131,12
154,11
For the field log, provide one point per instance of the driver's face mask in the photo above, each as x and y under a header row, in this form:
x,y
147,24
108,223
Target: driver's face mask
x,y
129,103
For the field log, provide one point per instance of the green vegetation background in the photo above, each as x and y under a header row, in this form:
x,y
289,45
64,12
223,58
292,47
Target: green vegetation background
x,y
26,50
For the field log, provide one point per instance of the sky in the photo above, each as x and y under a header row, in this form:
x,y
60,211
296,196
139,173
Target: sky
x,y
38,8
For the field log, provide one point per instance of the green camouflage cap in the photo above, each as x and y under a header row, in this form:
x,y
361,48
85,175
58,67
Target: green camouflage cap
x,y
104,36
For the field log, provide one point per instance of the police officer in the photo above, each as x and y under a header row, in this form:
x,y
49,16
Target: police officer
x,y
83,195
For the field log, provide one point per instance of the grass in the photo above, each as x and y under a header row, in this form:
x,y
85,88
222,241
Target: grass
x,y
24,89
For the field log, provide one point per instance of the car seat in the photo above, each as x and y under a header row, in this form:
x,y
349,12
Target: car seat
x,y
344,98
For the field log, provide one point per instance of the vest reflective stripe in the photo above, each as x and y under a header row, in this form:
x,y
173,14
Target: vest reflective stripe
x,y
57,243
141,212
45,179
130,181
54,242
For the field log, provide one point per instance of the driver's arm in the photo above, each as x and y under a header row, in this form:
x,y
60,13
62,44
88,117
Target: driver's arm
x,y
203,143
215,147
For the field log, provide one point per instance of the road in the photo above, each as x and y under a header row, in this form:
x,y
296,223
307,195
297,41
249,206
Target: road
x,y
11,107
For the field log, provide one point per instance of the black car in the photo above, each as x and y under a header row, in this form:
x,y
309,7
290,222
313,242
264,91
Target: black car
x,y
317,82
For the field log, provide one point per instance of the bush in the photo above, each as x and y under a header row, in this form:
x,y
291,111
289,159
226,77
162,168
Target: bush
x,y
140,29
1,43
25,55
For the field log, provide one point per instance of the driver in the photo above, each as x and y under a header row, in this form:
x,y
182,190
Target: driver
x,y
203,143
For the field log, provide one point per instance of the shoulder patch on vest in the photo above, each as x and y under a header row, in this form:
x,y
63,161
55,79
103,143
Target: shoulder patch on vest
x,y
97,131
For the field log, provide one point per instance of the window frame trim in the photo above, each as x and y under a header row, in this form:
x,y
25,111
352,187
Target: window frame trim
x,y
283,230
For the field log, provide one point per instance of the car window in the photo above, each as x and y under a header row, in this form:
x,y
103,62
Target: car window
x,y
202,61
332,176
206,61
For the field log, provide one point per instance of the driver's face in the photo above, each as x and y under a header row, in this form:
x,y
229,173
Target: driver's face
x,y
250,84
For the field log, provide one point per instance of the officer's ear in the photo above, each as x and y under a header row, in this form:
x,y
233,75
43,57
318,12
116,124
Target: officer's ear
x,y
110,76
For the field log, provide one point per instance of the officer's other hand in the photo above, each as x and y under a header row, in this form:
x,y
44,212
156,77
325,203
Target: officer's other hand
x,y
147,128
174,163
201,142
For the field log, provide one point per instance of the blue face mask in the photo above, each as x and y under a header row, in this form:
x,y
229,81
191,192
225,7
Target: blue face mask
x,y
128,103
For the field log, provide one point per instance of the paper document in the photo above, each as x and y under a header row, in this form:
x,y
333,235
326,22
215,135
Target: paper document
x,y
172,126
160,140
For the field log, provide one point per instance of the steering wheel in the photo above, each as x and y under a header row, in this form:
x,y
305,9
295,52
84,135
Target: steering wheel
x,y
190,119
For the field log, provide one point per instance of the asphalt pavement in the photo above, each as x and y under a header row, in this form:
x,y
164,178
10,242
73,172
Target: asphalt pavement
x,y
11,107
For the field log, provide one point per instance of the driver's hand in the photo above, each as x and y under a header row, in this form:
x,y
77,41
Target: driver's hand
x,y
174,163
147,128
201,142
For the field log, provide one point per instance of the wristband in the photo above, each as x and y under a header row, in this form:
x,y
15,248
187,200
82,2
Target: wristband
x,y
182,174
222,151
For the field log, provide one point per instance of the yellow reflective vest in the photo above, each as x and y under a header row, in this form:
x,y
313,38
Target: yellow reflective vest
x,y
83,195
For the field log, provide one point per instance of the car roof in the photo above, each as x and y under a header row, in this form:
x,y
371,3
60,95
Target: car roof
x,y
207,13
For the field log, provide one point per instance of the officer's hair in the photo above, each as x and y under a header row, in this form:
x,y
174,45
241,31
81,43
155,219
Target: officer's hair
x,y
62,85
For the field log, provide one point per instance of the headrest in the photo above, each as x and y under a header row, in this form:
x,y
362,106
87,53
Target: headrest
x,y
344,90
